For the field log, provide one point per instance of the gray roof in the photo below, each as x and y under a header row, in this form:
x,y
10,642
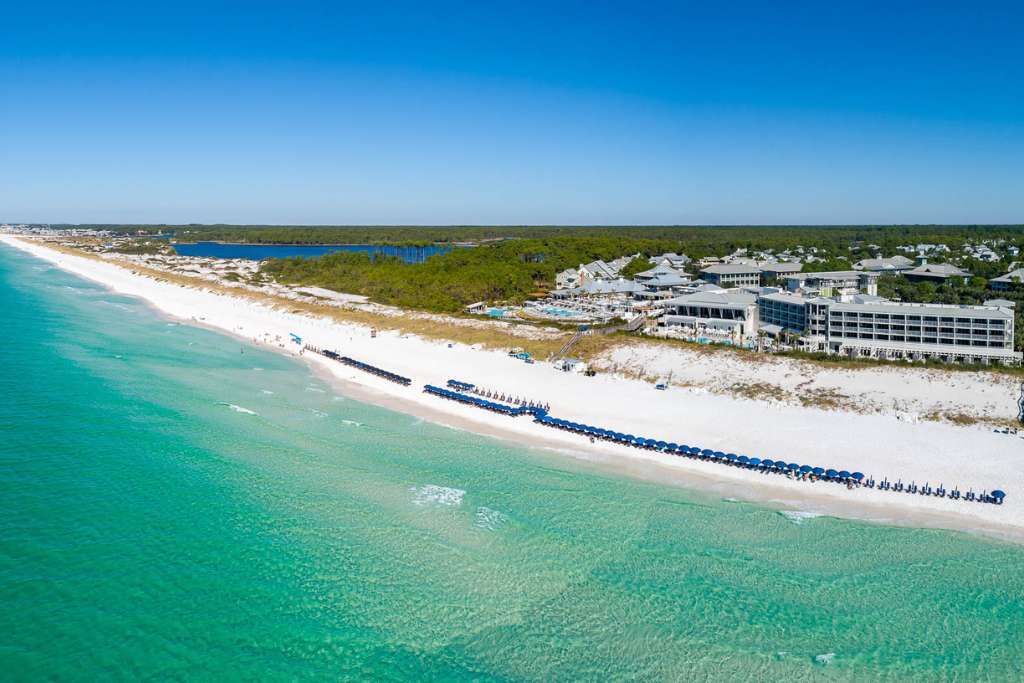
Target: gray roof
x,y
891,263
1008,278
942,270
897,308
1001,303
721,297
731,269
657,270
782,267
836,275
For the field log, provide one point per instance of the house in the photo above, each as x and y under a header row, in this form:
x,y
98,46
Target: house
x,y
1012,280
670,259
936,273
893,264
567,279
732,275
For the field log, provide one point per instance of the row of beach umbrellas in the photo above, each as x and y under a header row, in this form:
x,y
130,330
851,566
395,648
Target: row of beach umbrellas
x,y
765,464
697,452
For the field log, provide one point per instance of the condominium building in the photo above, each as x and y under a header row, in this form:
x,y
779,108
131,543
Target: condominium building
x,y
922,331
793,313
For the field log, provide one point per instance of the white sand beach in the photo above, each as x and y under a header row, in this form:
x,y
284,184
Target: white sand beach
x,y
883,444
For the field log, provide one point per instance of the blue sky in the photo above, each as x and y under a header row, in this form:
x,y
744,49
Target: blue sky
x,y
483,113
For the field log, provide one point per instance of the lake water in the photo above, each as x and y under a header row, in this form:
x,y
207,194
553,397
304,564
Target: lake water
x,y
179,506
258,252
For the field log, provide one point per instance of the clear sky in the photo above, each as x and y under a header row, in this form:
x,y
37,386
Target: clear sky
x,y
482,113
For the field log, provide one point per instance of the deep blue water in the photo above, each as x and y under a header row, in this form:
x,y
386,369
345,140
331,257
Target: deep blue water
x,y
258,252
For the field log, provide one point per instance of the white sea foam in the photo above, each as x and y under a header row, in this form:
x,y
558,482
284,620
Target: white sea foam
x,y
352,423
799,516
318,413
316,390
431,494
826,658
238,409
489,519
268,392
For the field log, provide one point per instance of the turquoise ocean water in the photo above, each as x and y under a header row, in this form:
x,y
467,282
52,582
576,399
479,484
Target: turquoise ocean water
x,y
173,508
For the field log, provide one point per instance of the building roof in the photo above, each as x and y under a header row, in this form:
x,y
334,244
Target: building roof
x,y
782,267
718,297
656,271
836,275
938,270
904,308
1001,303
600,268
883,264
1009,277
731,269
610,287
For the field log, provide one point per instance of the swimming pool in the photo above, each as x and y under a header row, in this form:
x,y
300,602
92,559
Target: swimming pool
x,y
560,312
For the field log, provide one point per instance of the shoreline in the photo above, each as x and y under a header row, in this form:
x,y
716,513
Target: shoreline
x,y
742,425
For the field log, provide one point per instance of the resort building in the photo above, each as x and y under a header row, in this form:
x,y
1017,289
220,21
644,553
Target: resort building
x,y
936,273
922,331
1012,280
661,278
732,275
831,283
723,314
782,311
894,264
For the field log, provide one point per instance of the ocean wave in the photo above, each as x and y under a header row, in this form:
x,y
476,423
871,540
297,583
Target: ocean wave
x,y
489,519
316,390
352,423
237,408
431,494
825,659
268,392
318,413
799,516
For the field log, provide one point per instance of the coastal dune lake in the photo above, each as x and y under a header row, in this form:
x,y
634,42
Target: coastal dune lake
x,y
258,252
177,504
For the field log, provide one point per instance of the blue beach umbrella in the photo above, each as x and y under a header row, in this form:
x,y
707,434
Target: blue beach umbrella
x,y
844,475
805,468
830,473
998,494
731,456
767,463
793,466
744,460
755,462
818,471
672,446
707,451
857,475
